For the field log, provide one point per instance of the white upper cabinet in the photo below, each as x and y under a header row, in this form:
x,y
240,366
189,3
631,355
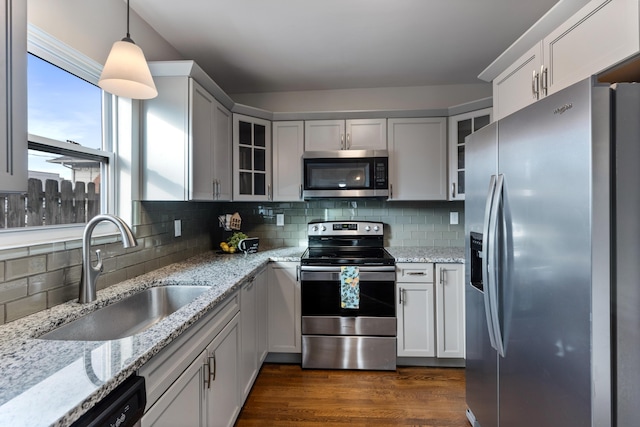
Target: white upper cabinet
x,y
288,147
222,148
366,134
518,86
13,93
186,143
601,34
251,158
359,134
461,126
418,159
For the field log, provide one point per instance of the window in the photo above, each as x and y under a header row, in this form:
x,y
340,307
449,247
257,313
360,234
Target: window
x,y
77,145
68,160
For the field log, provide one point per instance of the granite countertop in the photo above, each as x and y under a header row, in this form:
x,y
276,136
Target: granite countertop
x,y
427,254
52,383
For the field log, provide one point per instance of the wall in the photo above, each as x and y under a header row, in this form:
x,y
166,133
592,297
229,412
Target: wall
x,y
407,223
38,277
91,27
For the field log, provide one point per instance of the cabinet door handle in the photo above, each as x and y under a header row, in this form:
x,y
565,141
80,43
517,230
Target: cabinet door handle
x,y
443,275
212,372
269,195
342,141
391,191
207,376
453,189
544,77
348,141
535,85
297,273
300,191
401,296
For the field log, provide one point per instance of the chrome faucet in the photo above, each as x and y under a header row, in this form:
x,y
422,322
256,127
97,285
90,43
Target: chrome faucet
x,y
90,273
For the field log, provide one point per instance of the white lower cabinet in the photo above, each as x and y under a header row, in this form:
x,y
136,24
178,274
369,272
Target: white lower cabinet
x,y
430,310
194,380
415,313
284,321
221,377
182,404
252,320
450,310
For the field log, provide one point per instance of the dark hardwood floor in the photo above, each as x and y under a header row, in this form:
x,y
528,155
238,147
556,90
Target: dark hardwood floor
x,y
286,395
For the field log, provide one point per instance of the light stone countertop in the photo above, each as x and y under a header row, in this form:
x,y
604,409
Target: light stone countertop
x,y
45,383
427,254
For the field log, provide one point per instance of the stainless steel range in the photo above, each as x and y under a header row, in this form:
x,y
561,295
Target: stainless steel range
x,y
348,297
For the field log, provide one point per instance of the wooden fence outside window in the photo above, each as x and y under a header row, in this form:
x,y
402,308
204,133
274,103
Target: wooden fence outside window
x,y
53,206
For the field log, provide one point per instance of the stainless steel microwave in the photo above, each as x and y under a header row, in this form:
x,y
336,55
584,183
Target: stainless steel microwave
x,y
345,173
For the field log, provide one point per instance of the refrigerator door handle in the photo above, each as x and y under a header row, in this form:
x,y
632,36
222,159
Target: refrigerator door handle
x,y
485,261
492,271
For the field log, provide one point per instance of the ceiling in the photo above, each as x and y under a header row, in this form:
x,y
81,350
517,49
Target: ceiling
x,y
288,45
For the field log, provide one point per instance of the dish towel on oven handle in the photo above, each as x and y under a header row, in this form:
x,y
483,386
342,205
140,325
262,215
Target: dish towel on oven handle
x,y
350,287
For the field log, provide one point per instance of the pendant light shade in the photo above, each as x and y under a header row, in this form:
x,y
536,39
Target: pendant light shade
x,y
126,72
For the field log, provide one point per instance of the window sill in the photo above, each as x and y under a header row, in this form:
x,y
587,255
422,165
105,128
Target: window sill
x,y
28,241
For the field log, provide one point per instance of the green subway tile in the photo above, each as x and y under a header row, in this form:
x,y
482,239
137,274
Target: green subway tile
x,y
62,295
26,306
24,267
13,290
43,282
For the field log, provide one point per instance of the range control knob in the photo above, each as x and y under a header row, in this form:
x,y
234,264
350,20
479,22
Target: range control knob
x,y
315,228
323,228
367,228
376,228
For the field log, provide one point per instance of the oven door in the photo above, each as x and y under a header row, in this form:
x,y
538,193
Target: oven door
x,y
322,312
337,338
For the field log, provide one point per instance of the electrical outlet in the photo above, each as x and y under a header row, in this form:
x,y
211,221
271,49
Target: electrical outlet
x,y
280,220
177,228
453,218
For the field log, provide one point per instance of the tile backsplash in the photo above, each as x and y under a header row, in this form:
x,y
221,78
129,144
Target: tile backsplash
x,y
407,223
38,277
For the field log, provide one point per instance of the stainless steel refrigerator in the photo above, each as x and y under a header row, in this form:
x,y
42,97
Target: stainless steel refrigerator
x,y
553,262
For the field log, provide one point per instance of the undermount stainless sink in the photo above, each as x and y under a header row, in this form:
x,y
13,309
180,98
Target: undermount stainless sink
x,y
129,316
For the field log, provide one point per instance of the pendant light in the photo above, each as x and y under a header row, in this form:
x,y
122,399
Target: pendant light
x,y
126,72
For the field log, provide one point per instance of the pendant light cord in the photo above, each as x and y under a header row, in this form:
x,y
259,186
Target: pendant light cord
x,y
128,35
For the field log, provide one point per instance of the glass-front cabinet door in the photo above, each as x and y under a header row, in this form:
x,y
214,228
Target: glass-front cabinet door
x,y
460,127
251,158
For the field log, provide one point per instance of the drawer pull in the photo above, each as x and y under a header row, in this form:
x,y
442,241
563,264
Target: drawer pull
x,y
417,273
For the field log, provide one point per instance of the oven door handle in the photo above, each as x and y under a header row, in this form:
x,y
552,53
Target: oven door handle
x,y
336,269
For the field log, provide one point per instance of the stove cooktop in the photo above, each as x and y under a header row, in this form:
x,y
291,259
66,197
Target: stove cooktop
x,y
347,256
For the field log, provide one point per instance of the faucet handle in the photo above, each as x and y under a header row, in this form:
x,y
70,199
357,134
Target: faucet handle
x,y
98,266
